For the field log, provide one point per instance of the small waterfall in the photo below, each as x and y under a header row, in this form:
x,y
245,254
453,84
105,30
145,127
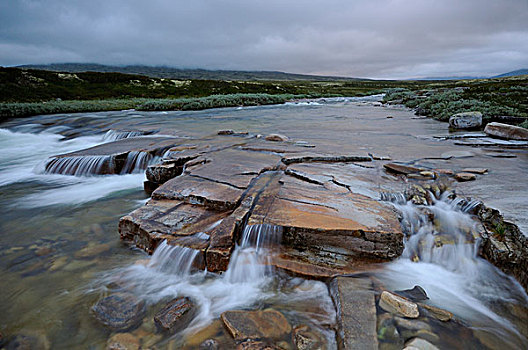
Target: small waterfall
x,y
442,233
138,161
251,259
135,162
173,260
441,255
114,135
80,166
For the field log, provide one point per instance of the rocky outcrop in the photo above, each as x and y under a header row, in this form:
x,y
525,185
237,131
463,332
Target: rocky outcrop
x,y
505,131
466,120
503,244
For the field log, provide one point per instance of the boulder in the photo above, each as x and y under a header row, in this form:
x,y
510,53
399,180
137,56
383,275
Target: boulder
x,y
466,120
465,177
120,311
505,131
397,305
276,138
176,315
242,325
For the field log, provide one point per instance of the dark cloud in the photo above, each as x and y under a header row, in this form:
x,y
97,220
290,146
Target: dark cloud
x,y
383,38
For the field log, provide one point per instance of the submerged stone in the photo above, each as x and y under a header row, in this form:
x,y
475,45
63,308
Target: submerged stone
x,y
176,315
438,313
305,338
123,341
120,311
419,344
269,324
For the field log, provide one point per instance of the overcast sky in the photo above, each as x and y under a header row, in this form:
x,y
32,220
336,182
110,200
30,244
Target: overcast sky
x,y
360,38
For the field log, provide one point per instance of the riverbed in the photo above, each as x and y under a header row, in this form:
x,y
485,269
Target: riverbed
x,y
60,249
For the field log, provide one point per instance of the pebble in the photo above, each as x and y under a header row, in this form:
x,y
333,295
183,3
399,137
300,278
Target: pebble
x,y
465,177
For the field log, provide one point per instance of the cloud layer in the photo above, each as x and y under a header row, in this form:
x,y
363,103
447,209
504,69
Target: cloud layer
x,y
362,38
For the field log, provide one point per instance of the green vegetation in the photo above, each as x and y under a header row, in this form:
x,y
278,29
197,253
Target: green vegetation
x,y
492,97
25,92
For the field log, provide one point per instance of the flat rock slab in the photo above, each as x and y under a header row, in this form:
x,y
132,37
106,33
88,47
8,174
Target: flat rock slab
x,y
137,144
332,220
234,167
356,313
148,225
267,324
506,131
197,190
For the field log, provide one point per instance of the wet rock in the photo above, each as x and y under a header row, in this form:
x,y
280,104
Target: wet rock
x,y
210,344
438,313
480,171
419,344
120,311
226,132
163,172
457,154
413,325
176,315
356,312
397,305
312,158
306,339
277,138
402,169
123,341
388,334
428,174
505,131
447,172
147,226
466,120
465,177
270,324
417,293
503,244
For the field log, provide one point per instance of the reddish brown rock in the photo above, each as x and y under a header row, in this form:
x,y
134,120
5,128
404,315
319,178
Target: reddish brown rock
x,y
465,177
176,315
505,131
402,169
269,324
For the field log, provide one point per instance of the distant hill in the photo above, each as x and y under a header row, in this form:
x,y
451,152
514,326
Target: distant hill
x,y
184,74
514,73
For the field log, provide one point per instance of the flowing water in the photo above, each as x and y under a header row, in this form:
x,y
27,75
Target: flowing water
x,y
60,249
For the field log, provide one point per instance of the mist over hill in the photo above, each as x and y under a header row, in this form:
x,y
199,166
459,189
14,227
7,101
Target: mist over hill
x,y
184,74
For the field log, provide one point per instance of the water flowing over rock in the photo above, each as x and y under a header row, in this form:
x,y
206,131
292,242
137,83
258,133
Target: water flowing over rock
x,y
124,156
466,120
